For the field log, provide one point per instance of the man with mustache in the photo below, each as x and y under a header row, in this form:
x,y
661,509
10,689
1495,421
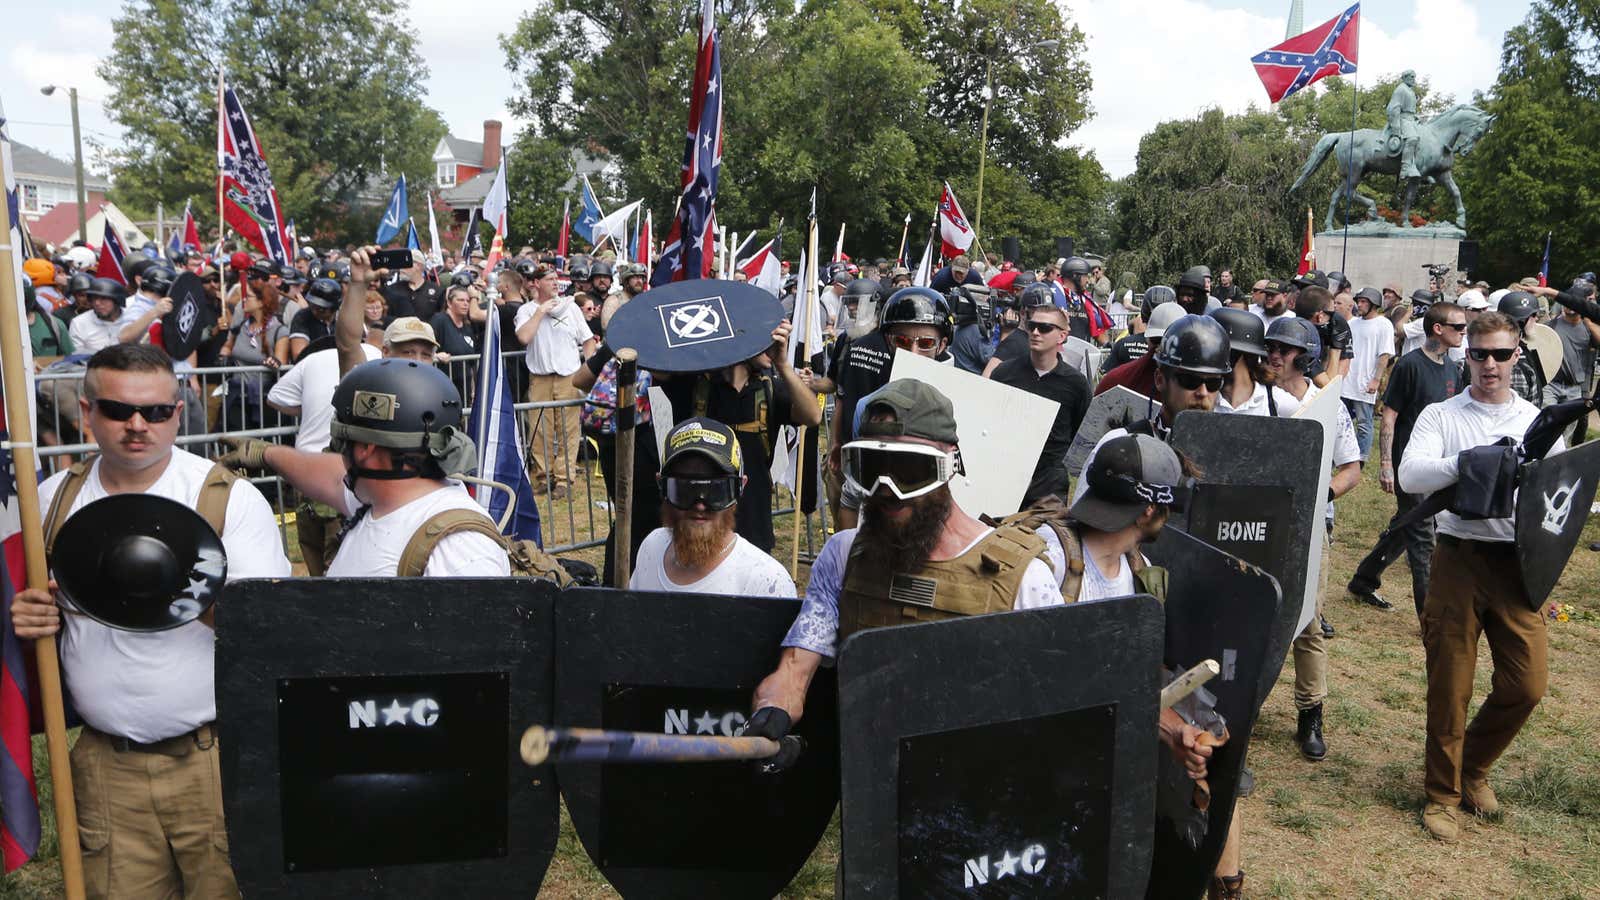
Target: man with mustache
x,y
697,550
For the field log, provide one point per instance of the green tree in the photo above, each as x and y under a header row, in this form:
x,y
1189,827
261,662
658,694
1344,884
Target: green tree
x,y
1535,171
334,92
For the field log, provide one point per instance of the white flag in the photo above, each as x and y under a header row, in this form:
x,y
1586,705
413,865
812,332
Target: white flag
x,y
494,202
764,271
435,256
924,276
615,226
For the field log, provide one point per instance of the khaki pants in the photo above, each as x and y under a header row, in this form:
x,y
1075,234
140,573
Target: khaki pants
x,y
1475,588
553,439
151,823
317,527
1311,650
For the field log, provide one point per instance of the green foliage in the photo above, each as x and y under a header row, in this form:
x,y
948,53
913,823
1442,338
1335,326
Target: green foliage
x,y
1535,171
536,169
334,91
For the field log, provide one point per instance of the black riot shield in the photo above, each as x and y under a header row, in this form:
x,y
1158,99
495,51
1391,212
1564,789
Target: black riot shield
x,y
1113,409
191,319
1003,755
697,325
1218,607
369,736
1553,499
1258,499
688,664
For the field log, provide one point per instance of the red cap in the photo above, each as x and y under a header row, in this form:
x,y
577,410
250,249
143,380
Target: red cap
x,y
240,260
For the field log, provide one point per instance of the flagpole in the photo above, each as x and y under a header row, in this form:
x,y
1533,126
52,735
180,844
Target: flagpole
x,y
19,420
1350,170
905,231
810,278
222,122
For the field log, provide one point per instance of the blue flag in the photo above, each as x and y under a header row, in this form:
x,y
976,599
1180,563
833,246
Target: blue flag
x,y
589,214
495,427
411,237
395,215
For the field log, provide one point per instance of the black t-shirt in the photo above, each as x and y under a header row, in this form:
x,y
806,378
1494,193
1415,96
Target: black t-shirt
x,y
1127,349
1062,384
423,302
753,519
1416,382
308,326
1013,347
862,367
456,341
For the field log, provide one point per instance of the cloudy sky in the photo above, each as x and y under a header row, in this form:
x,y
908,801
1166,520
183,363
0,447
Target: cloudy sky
x,y
1153,60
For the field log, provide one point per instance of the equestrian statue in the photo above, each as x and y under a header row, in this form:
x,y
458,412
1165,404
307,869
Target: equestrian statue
x,y
1411,150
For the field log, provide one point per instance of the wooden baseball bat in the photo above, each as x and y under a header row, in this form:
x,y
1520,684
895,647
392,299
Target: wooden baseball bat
x,y
597,745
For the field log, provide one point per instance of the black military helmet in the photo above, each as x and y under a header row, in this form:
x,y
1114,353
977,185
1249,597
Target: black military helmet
x,y
527,268
135,265
338,271
919,306
578,268
1519,305
1194,277
324,293
1075,265
1195,344
396,403
1246,332
1037,295
109,288
158,278
1338,282
78,283
1023,280
600,269
464,278
1293,331
861,289
1154,296
291,276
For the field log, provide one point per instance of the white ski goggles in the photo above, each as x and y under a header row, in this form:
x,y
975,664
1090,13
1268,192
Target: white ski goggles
x,y
907,470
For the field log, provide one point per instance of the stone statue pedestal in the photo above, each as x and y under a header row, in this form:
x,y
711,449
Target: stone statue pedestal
x,y
1399,256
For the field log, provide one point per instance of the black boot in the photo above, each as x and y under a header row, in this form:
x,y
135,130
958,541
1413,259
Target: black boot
x,y
1310,734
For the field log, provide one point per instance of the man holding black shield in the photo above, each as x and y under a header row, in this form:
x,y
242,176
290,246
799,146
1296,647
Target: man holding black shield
x,y
145,768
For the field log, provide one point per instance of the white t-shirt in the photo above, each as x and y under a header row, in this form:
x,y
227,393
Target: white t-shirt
x,y
1257,404
372,548
1093,586
1260,313
91,333
1369,340
310,384
746,572
156,685
554,348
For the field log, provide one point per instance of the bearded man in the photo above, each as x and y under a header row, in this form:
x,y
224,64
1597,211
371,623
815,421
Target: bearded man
x,y
697,551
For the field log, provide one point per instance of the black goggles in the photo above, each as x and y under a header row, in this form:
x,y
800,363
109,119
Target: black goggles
x,y
907,470
1500,354
714,494
122,412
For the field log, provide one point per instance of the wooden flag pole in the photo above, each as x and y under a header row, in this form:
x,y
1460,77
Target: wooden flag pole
x,y
809,276
23,460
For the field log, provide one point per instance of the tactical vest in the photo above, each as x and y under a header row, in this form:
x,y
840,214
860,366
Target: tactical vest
x,y
982,580
527,559
1052,512
702,401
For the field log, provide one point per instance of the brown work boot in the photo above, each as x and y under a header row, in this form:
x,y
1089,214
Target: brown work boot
x,y
1440,820
1477,797
1226,887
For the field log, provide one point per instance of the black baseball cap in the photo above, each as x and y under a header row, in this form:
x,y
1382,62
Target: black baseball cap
x,y
707,437
1315,277
919,409
1126,474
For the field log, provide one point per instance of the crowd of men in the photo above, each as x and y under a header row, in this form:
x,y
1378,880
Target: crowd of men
x,y
353,352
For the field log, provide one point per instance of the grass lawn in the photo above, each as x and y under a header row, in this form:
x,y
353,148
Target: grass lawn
x,y
1346,827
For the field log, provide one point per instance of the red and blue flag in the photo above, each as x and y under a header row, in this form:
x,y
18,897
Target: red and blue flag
x,y
112,252
1328,49
689,249
1544,265
19,796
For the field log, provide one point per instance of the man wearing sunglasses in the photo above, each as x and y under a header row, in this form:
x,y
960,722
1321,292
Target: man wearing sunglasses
x,y
1474,587
697,551
1421,378
1045,374
914,542
145,766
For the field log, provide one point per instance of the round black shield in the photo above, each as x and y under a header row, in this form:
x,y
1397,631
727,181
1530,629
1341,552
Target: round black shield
x,y
139,563
192,318
696,326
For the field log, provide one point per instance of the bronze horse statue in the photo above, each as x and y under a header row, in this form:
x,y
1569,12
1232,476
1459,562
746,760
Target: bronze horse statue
x,y
1450,134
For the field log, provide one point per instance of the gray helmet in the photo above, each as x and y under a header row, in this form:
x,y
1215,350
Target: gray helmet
x,y
1154,296
324,292
861,289
1037,295
1075,265
1195,344
406,406
1519,305
629,270
78,283
158,278
1194,277
1246,332
464,278
1293,331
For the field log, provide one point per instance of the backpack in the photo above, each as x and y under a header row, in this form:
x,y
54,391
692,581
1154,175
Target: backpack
x,y
212,504
528,560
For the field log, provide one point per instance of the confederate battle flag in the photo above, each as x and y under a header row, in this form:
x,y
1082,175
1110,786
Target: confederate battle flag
x,y
248,199
1328,49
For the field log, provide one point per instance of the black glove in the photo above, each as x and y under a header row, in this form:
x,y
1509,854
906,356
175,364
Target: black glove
x,y
772,722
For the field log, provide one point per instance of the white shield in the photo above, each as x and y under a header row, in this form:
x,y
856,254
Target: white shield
x,y
1323,408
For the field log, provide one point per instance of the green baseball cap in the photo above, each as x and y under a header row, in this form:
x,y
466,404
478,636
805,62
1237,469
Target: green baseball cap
x,y
919,410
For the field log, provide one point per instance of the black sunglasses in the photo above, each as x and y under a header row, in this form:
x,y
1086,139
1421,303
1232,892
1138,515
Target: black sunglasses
x,y
1191,382
1500,354
122,412
1043,327
1458,326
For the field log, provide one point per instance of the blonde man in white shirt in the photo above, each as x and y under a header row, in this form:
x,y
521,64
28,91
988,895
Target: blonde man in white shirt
x,y
1474,588
145,769
557,337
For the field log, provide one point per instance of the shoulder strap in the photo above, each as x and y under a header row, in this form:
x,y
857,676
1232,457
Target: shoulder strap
x,y
213,503
61,503
414,558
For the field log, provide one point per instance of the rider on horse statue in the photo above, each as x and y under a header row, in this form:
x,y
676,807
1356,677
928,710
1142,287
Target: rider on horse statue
x,y
1402,128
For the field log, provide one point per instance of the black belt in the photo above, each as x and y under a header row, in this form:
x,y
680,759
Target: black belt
x,y
1450,540
202,738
